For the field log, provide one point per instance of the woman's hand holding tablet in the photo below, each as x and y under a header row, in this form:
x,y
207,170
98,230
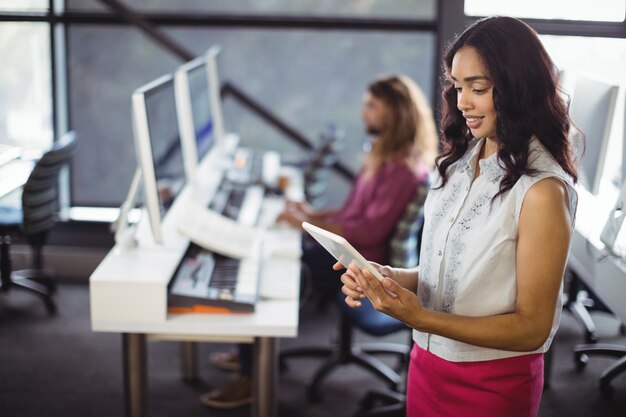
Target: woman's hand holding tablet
x,y
340,248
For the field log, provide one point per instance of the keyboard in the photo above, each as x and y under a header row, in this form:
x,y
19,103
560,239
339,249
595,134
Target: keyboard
x,y
238,202
214,282
254,167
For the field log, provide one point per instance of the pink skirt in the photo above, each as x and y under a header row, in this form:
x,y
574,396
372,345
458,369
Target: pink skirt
x,y
509,387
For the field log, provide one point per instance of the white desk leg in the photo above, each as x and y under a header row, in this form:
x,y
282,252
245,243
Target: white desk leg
x,y
135,374
265,377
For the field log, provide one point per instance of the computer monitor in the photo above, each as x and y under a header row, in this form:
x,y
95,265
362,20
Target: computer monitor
x,y
623,172
159,149
591,109
198,106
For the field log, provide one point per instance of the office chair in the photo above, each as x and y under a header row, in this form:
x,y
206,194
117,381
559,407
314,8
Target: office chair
x,y
581,357
591,347
34,220
404,247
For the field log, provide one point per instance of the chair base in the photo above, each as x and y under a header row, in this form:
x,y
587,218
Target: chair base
x,y
360,355
581,357
383,404
36,282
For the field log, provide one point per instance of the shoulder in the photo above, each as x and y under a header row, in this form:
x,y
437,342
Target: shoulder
x,y
547,198
546,190
398,168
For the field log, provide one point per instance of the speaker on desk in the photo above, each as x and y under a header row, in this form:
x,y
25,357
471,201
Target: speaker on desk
x,y
34,219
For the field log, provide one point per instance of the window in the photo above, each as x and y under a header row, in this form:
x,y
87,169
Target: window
x,y
607,10
307,87
406,9
24,5
25,85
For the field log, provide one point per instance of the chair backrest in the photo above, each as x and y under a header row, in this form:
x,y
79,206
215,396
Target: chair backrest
x,y
405,242
41,191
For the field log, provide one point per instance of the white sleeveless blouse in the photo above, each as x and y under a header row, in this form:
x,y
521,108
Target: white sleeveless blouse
x,y
467,260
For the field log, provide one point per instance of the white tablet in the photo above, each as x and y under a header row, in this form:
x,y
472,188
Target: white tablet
x,y
340,248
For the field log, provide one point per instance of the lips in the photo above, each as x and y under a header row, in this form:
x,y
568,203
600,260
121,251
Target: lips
x,y
473,122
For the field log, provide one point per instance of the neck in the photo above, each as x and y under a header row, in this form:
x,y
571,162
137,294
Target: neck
x,y
489,148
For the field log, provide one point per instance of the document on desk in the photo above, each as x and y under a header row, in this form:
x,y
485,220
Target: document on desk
x,y
218,233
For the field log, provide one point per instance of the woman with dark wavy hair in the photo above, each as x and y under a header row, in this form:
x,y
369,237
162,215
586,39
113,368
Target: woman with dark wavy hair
x,y
485,302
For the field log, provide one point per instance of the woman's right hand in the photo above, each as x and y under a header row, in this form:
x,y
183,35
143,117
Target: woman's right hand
x,y
351,288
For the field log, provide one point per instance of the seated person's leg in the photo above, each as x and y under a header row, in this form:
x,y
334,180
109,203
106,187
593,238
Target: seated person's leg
x,y
238,391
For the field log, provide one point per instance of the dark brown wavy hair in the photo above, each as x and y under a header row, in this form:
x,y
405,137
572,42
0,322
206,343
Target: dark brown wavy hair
x,y
525,95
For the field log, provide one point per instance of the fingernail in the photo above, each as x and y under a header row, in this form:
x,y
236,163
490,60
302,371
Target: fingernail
x,y
358,304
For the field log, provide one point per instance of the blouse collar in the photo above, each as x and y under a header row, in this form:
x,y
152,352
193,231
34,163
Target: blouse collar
x,y
488,166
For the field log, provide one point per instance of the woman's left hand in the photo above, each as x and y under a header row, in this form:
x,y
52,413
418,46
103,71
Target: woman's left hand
x,y
388,296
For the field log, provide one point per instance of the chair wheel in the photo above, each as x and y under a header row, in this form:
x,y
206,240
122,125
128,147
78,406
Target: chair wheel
x,y
580,360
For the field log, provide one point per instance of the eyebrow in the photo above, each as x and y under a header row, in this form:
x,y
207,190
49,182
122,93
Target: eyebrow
x,y
472,78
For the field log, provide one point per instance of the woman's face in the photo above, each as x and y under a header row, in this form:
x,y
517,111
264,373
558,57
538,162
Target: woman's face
x,y
474,92
375,113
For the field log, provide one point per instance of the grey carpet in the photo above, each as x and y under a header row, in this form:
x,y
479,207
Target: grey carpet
x,y
57,367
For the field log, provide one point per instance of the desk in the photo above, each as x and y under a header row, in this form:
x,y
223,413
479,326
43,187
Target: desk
x,y
13,175
128,295
605,276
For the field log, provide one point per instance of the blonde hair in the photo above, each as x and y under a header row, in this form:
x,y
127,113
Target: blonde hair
x,y
411,128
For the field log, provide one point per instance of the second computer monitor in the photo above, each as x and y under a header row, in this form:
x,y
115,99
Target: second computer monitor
x,y
591,109
159,149
198,105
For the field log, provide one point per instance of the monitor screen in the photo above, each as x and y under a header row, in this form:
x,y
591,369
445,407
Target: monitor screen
x,y
198,105
591,109
159,148
201,110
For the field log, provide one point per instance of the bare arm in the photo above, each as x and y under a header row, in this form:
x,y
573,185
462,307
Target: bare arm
x,y
543,243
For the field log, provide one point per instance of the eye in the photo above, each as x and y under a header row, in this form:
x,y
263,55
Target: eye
x,y
479,90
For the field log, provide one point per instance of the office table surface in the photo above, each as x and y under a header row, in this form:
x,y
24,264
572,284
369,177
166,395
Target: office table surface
x,y
128,293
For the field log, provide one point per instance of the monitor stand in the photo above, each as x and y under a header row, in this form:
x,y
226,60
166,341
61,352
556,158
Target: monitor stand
x,y
123,229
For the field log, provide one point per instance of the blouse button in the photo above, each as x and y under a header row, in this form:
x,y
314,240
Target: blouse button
x,y
451,219
439,253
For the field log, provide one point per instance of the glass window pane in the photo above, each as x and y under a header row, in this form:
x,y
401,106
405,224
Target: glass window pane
x,y
416,9
307,87
24,5
25,85
606,10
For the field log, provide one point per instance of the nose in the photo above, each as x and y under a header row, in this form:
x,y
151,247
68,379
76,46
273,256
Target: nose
x,y
463,101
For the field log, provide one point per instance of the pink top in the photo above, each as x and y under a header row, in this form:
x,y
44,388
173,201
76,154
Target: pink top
x,y
375,205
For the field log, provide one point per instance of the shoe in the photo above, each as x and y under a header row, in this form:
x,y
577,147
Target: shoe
x,y
227,361
236,393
